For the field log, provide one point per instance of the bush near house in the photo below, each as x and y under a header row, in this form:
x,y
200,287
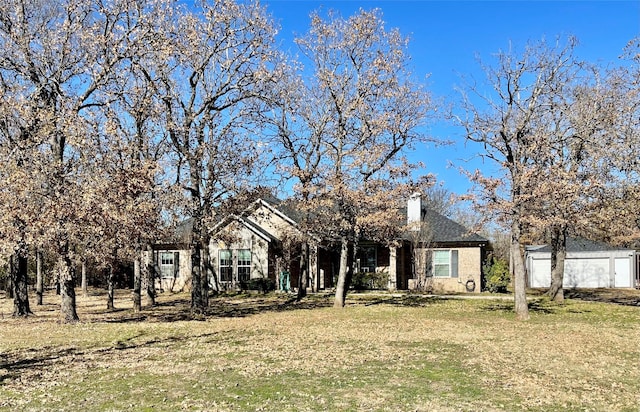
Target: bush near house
x,y
497,277
263,285
369,280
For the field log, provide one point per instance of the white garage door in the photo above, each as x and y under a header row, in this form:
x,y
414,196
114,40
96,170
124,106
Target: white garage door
x,y
540,276
586,273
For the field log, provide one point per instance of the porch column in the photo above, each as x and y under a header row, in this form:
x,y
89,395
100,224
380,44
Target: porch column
x,y
313,267
393,268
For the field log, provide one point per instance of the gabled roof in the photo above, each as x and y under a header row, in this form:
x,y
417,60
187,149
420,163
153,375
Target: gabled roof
x,y
577,244
184,229
177,237
444,230
252,226
283,209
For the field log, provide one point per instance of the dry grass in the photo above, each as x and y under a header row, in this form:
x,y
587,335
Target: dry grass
x,y
402,353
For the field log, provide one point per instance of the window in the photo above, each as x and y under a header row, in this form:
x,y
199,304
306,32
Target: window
x,y
226,266
244,265
236,261
445,263
367,259
168,264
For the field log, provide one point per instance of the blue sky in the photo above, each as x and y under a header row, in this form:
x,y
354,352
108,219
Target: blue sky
x,y
446,37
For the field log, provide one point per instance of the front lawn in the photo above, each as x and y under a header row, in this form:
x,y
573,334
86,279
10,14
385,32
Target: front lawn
x,y
381,352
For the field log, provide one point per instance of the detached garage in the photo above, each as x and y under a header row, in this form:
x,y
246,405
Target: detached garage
x,y
587,265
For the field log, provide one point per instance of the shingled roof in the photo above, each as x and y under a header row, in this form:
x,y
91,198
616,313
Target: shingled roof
x,y
576,244
445,230
286,207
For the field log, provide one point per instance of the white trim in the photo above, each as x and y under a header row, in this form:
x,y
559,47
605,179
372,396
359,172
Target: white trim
x,y
227,221
277,212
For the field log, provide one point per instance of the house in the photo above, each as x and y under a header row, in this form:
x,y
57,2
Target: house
x,y
588,264
171,259
256,244
441,251
253,245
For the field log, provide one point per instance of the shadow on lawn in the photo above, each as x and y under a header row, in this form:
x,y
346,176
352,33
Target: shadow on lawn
x,y
236,306
540,306
624,297
31,364
404,300
179,309
11,368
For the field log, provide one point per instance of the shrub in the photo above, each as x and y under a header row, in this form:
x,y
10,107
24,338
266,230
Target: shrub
x,y
264,285
369,280
497,276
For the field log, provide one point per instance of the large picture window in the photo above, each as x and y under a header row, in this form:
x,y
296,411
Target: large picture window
x,y
226,266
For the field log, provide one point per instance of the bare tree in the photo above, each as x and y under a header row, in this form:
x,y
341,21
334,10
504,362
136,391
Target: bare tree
x,y
367,108
441,200
572,126
59,57
577,168
296,127
131,150
214,59
510,124
616,221
421,237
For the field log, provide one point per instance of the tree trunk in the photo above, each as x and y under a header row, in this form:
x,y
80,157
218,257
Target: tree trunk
x,y
313,264
197,299
67,282
111,278
197,238
426,270
18,276
558,255
137,283
204,273
342,285
39,279
420,266
304,273
8,292
84,283
149,275
520,278
110,288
